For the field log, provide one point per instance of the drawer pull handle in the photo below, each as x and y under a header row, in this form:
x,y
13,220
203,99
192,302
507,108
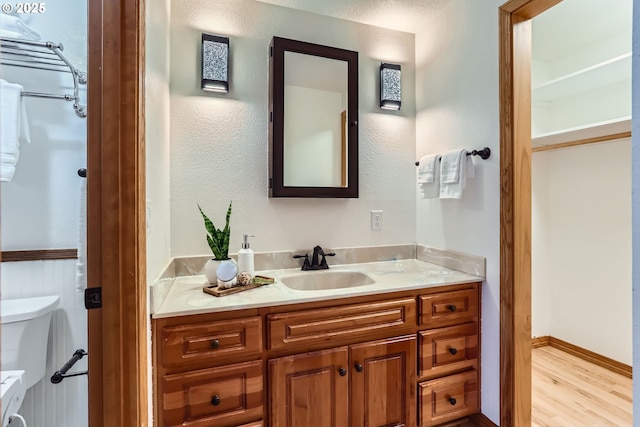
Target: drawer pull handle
x,y
358,367
215,344
342,372
453,401
452,308
215,400
453,351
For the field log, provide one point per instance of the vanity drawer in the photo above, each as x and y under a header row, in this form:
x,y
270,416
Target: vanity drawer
x,y
323,325
211,341
448,349
449,308
224,396
447,398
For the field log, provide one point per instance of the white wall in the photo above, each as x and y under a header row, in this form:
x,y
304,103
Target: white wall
x,y
582,247
219,143
457,107
40,205
157,114
635,185
541,284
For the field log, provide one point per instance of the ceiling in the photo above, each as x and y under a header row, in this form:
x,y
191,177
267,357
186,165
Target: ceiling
x,y
401,15
574,24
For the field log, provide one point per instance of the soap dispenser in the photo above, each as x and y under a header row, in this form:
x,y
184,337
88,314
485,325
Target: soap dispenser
x,y
245,256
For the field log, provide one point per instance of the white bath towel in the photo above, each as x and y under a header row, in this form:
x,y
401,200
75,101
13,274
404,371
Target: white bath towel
x,y
455,168
14,128
81,267
428,176
15,28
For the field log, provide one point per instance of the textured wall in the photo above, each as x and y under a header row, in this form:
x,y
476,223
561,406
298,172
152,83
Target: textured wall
x,y
45,188
219,143
585,251
456,107
157,136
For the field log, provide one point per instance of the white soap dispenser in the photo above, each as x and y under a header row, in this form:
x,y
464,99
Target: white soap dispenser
x,y
245,256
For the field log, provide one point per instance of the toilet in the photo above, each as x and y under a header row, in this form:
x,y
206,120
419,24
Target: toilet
x,y
25,335
12,391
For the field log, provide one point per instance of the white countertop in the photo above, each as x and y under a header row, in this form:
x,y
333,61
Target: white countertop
x,y
186,296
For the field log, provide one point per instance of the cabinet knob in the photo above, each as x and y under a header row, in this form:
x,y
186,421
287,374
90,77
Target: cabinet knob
x,y
453,351
452,401
342,372
215,400
452,308
215,344
358,367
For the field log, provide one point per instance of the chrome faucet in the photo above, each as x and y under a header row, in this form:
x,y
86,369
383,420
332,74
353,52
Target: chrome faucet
x,y
316,263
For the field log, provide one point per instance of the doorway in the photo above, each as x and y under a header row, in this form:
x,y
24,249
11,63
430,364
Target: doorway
x,y
516,161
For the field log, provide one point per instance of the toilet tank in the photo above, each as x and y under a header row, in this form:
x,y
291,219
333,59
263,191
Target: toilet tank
x,y
25,335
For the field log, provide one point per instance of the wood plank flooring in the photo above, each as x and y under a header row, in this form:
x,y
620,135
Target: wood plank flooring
x,y
570,392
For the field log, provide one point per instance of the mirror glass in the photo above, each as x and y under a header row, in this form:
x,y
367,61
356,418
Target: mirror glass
x,y
315,111
313,130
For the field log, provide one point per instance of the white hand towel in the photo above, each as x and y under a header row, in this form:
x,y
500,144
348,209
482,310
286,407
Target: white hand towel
x,y
454,168
14,27
11,128
81,266
429,176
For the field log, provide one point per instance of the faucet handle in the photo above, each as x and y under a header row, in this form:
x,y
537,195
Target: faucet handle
x,y
305,264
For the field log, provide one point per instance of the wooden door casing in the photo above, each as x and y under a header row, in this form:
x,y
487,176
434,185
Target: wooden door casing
x,y
382,393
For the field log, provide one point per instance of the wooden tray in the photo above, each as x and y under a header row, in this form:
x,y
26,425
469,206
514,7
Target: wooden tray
x,y
217,291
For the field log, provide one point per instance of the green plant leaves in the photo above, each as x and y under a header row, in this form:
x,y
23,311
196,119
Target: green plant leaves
x,y
218,240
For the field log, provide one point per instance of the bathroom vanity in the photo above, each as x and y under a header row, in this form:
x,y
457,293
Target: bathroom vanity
x,y
377,355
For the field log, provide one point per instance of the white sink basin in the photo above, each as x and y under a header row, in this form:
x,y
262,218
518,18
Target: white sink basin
x,y
322,280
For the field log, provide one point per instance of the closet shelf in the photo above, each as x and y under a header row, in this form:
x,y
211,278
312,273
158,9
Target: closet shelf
x,y
46,56
611,71
593,130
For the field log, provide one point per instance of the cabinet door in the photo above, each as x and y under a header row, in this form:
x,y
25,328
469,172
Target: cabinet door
x,y
310,389
382,390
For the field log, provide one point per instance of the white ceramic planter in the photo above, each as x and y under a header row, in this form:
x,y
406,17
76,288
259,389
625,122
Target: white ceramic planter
x,y
210,270
211,267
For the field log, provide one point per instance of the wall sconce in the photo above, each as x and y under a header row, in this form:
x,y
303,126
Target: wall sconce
x,y
215,63
390,86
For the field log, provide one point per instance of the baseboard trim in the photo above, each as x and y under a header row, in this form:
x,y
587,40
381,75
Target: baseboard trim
x,y
540,341
481,420
583,353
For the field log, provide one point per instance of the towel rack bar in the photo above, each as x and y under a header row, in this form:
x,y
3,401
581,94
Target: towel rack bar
x,y
49,95
35,55
484,154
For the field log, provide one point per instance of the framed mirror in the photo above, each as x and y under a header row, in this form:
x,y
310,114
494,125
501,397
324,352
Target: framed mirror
x,y
313,126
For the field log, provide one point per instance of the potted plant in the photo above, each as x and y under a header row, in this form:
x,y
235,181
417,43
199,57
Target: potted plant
x,y
218,241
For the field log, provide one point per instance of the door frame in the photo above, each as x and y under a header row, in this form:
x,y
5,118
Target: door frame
x,y
116,257
515,208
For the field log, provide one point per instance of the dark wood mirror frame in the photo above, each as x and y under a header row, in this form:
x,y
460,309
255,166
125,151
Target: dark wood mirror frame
x,y
276,122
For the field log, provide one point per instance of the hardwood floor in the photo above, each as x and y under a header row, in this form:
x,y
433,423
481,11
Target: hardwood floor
x,y
568,391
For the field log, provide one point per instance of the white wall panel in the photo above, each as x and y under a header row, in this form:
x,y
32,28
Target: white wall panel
x,y
47,404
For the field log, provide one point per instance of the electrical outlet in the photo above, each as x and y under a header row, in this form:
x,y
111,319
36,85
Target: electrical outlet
x,y
376,220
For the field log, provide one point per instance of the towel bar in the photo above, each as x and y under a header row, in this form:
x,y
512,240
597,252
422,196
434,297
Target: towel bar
x,y
484,154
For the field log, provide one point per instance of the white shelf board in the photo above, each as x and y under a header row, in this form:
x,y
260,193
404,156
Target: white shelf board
x,y
602,74
594,130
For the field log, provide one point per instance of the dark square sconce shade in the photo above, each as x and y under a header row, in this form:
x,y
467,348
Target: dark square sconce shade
x,y
390,86
215,63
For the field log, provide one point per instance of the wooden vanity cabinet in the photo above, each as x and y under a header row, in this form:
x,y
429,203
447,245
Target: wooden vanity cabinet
x,y
371,381
401,359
